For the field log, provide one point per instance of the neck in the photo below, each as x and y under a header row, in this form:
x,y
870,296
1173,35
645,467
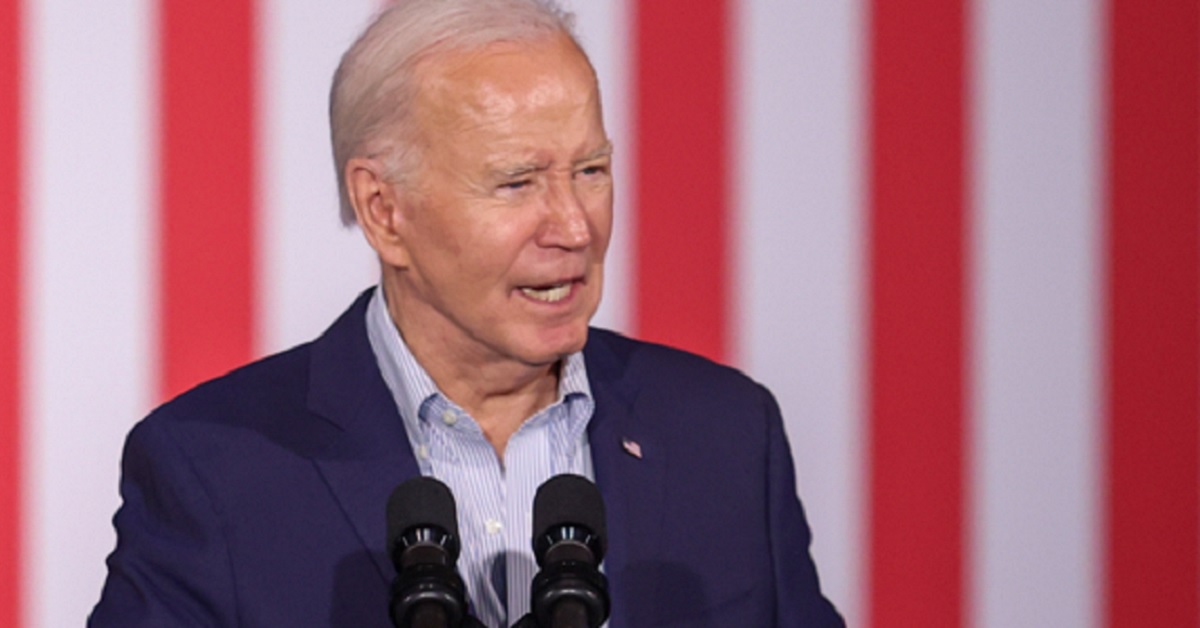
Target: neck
x,y
500,394
499,397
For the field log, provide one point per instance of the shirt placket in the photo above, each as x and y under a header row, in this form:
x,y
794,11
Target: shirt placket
x,y
465,460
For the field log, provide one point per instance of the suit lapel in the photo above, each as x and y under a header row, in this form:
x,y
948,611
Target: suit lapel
x,y
630,464
371,454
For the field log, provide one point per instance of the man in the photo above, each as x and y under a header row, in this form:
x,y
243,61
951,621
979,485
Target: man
x,y
471,152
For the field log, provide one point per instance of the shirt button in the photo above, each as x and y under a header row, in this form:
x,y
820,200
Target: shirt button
x,y
422,452
493,526
449,417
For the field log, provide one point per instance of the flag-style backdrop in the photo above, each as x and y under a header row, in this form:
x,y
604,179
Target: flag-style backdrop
x,y
959,239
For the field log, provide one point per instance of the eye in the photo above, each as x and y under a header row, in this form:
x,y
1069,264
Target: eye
x,y
593,170
519,184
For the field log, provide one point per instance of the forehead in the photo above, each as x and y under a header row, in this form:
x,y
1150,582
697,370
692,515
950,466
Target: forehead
x,y
505,80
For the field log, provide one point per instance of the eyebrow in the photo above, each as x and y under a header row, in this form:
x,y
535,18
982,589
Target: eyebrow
x,y
605,150
515,172
520,170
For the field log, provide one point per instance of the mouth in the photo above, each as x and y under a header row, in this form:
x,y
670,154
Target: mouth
x,y
553,293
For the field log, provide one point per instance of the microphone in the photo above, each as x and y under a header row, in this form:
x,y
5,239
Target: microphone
x,y
422,541
569,544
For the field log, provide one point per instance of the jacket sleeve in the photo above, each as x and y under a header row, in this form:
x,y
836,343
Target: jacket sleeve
x,y
798,599
171,565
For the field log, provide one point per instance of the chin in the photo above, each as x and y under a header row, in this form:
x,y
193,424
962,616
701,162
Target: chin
x,y
549,346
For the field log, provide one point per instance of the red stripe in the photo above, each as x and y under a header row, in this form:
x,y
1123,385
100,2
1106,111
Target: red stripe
x,y
917,312
11,345
1154,309
681,191
207,189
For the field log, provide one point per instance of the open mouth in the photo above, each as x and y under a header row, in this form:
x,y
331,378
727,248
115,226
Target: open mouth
x,y
549,294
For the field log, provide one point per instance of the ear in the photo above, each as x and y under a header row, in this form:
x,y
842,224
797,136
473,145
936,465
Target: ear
x,y
378,208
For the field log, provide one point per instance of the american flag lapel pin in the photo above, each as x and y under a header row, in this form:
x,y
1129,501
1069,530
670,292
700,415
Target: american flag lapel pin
x,y
632,448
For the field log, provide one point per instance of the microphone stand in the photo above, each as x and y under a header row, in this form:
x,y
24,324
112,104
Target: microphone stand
x,y
430,616
433,615
569,614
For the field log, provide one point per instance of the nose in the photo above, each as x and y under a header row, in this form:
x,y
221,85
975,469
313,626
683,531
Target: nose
x,y
566,223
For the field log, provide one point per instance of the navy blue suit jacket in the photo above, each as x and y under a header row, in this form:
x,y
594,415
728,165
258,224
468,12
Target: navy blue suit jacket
x,y
258,499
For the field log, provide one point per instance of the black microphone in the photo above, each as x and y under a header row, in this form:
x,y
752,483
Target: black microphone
x,y
569,544
422,541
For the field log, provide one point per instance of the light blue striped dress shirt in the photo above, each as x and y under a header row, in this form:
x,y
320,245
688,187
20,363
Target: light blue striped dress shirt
x,y
494,497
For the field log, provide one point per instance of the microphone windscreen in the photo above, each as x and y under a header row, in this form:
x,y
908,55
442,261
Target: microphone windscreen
x,y
423,502
569,500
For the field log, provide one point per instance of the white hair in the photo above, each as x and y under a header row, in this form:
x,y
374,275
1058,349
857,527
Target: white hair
x,y
370,103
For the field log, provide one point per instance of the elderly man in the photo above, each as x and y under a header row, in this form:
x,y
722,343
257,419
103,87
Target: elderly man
x,y
471,153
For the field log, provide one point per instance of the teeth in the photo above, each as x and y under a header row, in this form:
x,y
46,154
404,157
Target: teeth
x,y
549,295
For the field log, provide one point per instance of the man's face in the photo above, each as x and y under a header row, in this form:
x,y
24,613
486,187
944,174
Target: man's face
x,y
509,211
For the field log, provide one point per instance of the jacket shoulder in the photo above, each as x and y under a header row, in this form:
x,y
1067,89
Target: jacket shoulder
x,y
270,384
276,387
653,363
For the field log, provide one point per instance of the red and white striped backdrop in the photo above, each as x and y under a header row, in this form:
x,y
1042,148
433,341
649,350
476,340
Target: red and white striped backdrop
x,y
960,240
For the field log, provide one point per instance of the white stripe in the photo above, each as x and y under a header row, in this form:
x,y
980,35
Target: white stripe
x,y
90,267
798,285
1037,296
311,268
604,32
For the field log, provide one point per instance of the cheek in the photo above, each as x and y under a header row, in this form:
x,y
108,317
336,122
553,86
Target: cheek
x,y
489,249
455,258
600,218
